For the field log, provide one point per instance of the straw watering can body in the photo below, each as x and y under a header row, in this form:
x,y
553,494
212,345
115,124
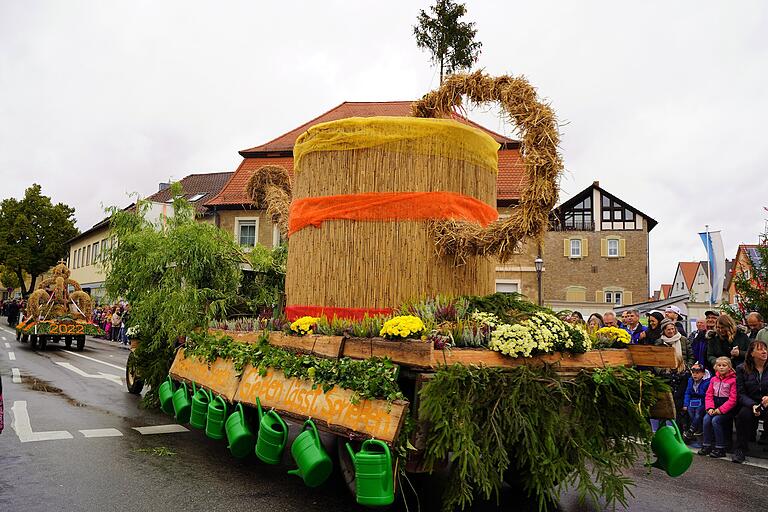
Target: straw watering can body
x,y
673,456
374,481
315,465
241,439
273,434
165,394
182,405
199,413
214,421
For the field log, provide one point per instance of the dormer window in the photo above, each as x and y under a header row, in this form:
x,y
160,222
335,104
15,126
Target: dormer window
x,y
617,213
579,216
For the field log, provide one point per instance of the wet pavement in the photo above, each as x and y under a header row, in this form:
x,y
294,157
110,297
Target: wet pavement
x,y
82,453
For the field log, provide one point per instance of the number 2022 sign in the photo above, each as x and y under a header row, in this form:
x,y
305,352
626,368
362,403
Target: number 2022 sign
x,y
67,329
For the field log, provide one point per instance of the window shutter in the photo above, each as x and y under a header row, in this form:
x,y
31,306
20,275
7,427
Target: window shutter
x,y
599,297
584,247
622,247
567,247
628,298
604,247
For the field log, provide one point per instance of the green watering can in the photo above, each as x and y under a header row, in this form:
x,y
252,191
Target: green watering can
x,y
273,434
672,455
199,411
241,439
181,403
315,465
374,482
214,420
165,393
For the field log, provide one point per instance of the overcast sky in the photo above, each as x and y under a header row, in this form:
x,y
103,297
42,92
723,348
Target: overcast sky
x,y
665,103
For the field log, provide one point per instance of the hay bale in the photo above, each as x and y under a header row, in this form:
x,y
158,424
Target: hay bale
x,y
270,188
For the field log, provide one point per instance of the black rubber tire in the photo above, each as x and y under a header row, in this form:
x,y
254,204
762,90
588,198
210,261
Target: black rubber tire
x,y
33,341
133,382
18,335
80,342
68,341
42,342
25,338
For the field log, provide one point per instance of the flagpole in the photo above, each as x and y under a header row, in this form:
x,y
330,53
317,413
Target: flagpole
x,y
709,265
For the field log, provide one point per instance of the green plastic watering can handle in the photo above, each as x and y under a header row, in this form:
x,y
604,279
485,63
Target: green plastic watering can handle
x,y
314,429
220,398
194,390
242,412
184,385
258,407
170,381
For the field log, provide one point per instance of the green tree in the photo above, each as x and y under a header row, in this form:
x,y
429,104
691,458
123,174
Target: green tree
x,y
753,287
34,234
450,41
8,278
177,276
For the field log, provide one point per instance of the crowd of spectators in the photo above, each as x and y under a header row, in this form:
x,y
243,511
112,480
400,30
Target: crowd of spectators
x,y
113,320
721,378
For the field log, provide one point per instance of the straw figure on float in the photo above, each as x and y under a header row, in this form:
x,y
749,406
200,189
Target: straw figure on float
x,y
270,186
43,304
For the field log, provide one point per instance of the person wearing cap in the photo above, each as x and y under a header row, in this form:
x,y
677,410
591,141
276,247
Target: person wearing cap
x,y
726,341
677,378
675,314
693,403
755,324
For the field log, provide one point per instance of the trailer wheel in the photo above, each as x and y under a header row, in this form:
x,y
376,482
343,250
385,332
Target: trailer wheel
x,y
43,342
33,341
18,335
133,382
68,341
80,342
25,338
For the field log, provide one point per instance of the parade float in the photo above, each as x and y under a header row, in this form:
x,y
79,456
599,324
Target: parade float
x,y
394,342
54,313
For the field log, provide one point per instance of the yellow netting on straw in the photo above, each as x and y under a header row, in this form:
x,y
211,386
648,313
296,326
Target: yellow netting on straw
x,y
434,137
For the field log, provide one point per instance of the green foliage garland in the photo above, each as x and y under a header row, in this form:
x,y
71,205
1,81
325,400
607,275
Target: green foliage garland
x,y
368,378
530,423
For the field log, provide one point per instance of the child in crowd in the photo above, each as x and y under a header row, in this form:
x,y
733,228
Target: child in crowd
x,y
720,402
693,404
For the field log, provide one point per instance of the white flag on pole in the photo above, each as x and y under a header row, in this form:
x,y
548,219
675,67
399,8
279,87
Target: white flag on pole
x,y
713,242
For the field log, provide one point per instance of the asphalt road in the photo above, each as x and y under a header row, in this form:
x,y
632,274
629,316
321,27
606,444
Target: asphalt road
x,y
81,452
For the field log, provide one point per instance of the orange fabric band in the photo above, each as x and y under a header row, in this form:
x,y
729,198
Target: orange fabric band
x,y
387,206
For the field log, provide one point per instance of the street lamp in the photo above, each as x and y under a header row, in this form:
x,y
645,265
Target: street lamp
x,y
539,264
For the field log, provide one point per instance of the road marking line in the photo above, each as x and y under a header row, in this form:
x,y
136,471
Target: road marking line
x,y
23,426
16,375
161,429
96,360
11,356
101,375
101,432
7,345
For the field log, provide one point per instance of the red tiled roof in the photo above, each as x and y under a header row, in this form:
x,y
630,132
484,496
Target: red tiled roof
x,y
208,184
356,109
689,269
510,180
666,289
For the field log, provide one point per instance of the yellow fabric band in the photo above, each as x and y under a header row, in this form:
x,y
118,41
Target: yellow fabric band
x,y
434,137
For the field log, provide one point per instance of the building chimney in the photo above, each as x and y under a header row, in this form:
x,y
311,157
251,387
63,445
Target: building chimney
x,y
163,186
596,184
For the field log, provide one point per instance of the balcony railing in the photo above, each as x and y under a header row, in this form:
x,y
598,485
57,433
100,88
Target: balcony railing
x,y
572,226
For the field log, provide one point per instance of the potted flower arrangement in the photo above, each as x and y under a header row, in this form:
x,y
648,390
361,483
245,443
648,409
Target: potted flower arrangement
x,y
611,337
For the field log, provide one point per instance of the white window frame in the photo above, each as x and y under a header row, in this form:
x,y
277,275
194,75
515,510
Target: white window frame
x,y
515,282
242,220
275,235
578,253
613,241
615,297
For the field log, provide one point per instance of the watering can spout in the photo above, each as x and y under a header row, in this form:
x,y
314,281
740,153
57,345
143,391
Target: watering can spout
x,y
351,453
296,472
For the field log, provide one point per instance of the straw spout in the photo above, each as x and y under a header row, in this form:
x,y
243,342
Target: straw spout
x,y
270,188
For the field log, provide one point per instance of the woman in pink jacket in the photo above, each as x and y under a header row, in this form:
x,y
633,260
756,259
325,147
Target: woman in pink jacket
x,y
720,403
